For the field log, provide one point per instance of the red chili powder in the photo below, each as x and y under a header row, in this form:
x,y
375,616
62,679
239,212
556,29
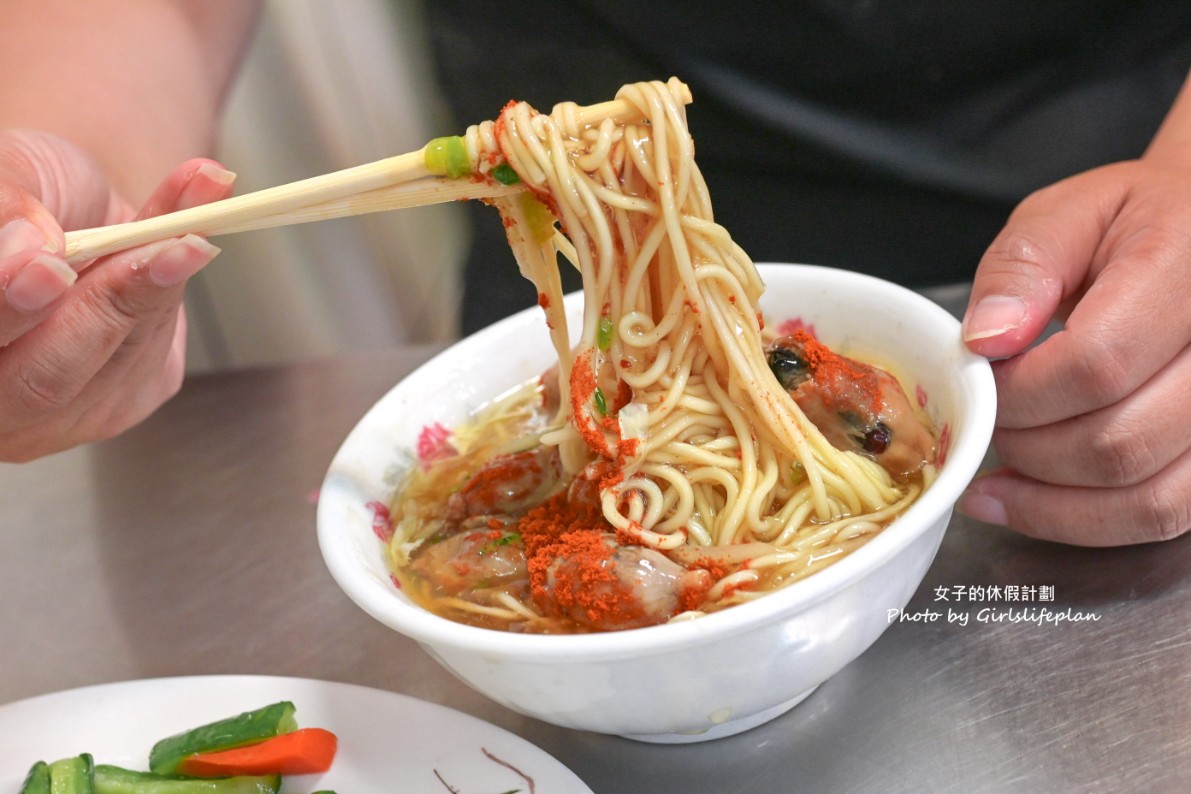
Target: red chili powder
x,y
827,366
584,581
498,127
627,448
693,595
583,386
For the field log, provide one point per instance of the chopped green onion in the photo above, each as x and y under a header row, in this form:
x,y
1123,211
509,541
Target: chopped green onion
x,y
447,156
539,218
508,539
797,473
600,403
505,174
604,333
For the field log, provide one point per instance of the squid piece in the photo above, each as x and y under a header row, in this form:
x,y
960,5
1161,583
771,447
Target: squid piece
x,y
508,485
469,560
857,407
628,587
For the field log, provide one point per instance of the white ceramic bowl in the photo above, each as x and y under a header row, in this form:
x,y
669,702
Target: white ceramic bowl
x,y
724,672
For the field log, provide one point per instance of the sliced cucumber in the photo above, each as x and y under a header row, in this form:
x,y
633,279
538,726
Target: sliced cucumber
x,y
73,775
38,779
251,726
116,780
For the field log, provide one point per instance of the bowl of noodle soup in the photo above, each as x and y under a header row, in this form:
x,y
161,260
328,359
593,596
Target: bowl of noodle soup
x,y
672,505
683,680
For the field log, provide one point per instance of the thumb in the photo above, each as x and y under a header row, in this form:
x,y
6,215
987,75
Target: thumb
x,y
1041,257
54,185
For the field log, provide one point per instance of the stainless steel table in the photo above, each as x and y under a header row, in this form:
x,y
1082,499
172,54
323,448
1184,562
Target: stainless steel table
x,y
187,547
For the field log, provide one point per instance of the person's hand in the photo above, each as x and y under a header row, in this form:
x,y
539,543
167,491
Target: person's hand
x,y
84,357
1094,423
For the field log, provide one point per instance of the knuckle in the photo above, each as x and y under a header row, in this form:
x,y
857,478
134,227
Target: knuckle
x,y
114,313
1165,513
1017,251
1103,371
41,388
1120,456
119,309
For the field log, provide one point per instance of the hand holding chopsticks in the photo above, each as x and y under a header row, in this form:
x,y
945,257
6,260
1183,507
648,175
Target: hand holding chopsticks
x,y
394,182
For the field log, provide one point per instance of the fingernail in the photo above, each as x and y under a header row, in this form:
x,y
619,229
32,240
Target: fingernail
x,y
19,235
993,316
220,176
983,507
39,283
181,260
198,190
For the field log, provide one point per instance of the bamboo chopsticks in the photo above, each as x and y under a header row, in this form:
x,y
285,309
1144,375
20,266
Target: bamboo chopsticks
x,y
241,212
392,183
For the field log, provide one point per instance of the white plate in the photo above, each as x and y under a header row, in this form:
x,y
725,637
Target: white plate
x,y
387,742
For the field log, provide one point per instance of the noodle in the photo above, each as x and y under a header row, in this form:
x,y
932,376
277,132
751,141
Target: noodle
x,y
668,401
721,290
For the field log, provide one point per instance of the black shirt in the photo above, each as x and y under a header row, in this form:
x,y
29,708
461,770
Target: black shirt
x,y
887,136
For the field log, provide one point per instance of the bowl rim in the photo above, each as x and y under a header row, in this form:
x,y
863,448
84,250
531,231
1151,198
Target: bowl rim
x,y
970,441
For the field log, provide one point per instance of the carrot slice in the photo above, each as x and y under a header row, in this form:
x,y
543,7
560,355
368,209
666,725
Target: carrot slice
x,y
299,752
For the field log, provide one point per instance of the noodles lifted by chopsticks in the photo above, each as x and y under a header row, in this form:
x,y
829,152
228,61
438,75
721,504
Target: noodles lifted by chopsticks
x,y
668,404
